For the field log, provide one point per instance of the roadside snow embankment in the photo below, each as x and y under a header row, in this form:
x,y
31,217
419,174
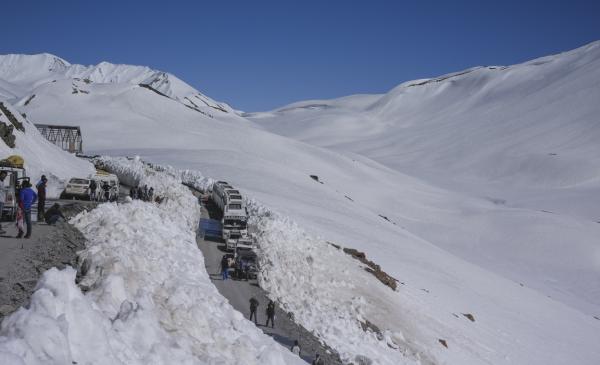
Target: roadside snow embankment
x,y
328,292
149,300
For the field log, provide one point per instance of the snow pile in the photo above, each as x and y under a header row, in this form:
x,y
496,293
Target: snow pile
x,y
41,156
319,285
149,301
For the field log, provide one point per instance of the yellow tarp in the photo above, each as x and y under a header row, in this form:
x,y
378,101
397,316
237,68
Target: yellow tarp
x,y
14,161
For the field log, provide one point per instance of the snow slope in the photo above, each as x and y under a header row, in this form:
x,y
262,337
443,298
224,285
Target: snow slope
x,y
524,136
41,156
456,252
530,127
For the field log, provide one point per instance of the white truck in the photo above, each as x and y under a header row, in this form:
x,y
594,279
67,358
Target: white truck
x,y
235,215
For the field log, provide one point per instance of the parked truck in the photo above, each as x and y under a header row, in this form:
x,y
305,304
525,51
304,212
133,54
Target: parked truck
x,y
235,215
15,173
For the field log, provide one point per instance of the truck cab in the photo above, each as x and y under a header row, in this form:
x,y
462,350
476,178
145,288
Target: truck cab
x,y
13,175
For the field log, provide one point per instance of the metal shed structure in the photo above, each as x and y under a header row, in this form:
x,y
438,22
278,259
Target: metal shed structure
x,y
66,137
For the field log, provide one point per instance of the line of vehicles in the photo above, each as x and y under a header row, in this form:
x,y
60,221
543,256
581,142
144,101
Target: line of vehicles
x,y
235,229
78,188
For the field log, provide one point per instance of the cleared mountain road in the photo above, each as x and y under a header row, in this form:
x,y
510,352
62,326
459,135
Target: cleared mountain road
x,y
239,292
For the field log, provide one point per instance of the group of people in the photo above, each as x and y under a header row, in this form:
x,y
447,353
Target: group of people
x,y
25,198
270,312
241,266
145,193
105,191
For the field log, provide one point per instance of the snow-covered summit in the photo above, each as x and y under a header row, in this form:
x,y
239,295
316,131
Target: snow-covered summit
x,y
27,72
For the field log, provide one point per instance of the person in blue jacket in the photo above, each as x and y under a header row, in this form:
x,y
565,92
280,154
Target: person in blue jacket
x,y
28,197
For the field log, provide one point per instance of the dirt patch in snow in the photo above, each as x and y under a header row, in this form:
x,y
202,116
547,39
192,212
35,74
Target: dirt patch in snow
x,y
50,246
372,267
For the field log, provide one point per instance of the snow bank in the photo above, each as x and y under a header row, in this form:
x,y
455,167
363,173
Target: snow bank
x,y
149,301
320,285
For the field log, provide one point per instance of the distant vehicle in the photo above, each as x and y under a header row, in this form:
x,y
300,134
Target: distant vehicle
x,y
235,215
244,244
246,265
13,175
77,188
230,244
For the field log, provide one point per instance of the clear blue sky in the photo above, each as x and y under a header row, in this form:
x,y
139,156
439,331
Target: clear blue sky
x,y
258,55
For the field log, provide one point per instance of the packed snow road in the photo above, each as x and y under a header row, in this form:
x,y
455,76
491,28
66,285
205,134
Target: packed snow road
x,y
239,292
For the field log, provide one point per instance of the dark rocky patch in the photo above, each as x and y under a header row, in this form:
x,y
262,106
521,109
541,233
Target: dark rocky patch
x,y
469,316
372,268
29,99
11,118
443,342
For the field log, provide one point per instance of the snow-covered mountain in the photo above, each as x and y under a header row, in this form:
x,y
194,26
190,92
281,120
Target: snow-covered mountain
x,y
529,126
442,182
21,74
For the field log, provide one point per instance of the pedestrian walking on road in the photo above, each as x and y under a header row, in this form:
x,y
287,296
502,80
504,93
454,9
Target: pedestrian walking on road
x,y
93,186
106,189
270,314
20,215
28,197
41,193
296,348
3,175
225,267
253,308
317,360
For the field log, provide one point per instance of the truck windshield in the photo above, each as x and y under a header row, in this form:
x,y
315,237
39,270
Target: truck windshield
x,y
235,223
79,181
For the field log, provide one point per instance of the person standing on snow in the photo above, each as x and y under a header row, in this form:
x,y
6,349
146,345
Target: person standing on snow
x,y
28,197
3,175
296,348
270,314
41,193
151,194
317,360
225,267
253,307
